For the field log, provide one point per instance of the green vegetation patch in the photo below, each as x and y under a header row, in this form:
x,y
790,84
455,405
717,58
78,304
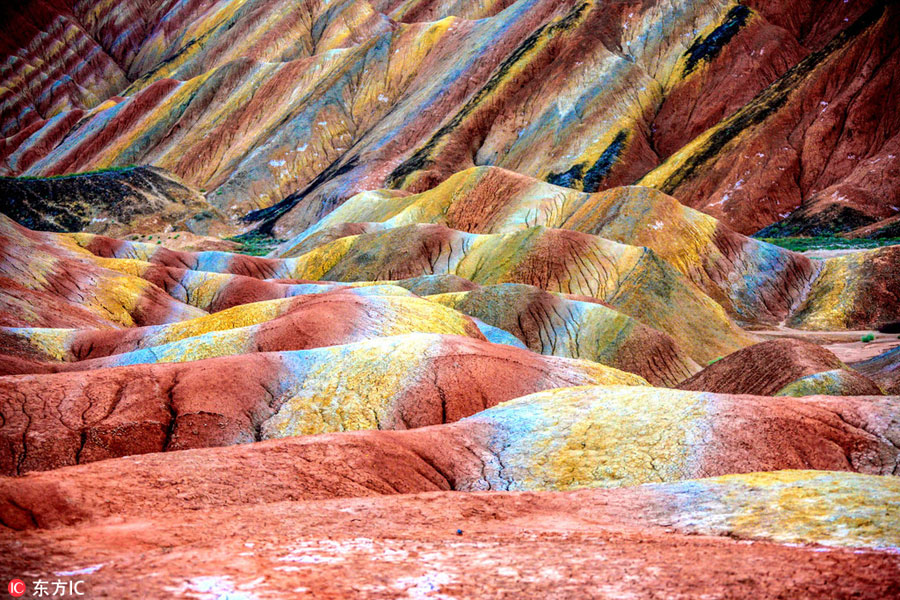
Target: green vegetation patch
x,y
255,244
70,175
802,244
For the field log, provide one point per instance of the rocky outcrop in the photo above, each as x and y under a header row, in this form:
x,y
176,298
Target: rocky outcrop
x,y
817,130
117,203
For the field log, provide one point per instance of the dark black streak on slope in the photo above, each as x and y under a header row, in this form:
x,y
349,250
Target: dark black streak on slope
x,y
833,220
707,48
568,178
596,174
421,158
270,215
604,164
767,102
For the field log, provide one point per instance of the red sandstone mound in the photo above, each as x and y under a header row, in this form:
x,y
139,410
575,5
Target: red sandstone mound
x,y
332,233
883,369
577,327
374,384
488,452
229,290
767,368
308,321
444,283
47,283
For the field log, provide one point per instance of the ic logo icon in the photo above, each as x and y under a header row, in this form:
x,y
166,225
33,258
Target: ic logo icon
x,y
16,588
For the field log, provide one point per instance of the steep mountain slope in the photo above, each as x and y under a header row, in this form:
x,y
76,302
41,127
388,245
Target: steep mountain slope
x,y
824,146
294,107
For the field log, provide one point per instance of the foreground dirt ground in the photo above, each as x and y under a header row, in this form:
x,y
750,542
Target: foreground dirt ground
x,y
595,544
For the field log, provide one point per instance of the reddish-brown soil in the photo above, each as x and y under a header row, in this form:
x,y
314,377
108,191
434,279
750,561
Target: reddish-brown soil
x,y
49,285
845,345
884,369
369,443
765,368
442,545
69,418
744,434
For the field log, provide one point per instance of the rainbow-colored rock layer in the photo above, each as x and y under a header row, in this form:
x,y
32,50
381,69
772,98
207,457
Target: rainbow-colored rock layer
x,y
293,107
517,247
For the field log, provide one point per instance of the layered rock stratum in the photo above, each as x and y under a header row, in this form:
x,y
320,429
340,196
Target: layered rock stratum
x,y
450,299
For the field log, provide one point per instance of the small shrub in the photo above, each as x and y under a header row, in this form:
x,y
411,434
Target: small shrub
x,y
867,338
